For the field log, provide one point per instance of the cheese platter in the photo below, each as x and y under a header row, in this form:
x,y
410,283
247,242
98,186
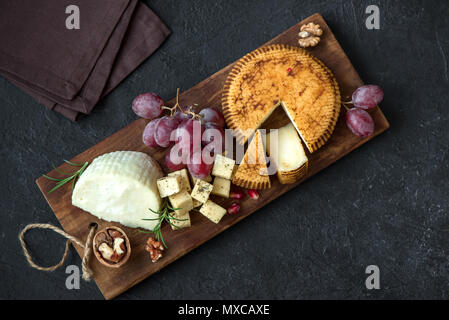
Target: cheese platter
x,y
185,207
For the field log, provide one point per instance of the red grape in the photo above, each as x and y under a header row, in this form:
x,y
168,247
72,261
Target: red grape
x,y
198,167
189,135
148,105
213,116
213,132
181,116
212,125
360,122
214,140
163,131
174,161
367,97
148,134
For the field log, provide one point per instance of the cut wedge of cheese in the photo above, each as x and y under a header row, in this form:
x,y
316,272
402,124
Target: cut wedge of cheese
x,y
121,187
252,173
282,75
287,154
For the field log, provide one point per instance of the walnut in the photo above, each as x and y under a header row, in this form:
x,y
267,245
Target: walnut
x,y
111,247
155,249
310,35
114,233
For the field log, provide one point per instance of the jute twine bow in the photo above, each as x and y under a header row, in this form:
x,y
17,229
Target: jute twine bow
x,y
87,272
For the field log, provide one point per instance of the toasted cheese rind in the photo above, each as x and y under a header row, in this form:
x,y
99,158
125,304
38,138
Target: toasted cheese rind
x,y
261,81
293,176
252,173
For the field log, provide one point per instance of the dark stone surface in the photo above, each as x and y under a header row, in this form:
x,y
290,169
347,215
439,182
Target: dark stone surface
x,y
385,204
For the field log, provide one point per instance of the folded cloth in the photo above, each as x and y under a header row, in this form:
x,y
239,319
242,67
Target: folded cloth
x,y
136,34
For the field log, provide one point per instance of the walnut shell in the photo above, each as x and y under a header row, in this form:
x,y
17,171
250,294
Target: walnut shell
x,y
98,255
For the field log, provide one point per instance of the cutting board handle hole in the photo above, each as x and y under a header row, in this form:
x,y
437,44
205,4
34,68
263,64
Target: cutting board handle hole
x,y
93,225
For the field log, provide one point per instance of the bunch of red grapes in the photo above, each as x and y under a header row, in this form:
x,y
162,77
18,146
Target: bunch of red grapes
x,y
191,136
357,119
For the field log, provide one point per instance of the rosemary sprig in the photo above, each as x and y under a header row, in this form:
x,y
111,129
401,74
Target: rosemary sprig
x,y
71,176
164,214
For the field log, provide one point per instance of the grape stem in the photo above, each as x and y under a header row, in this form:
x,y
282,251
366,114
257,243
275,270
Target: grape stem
x,y
346,104
178,106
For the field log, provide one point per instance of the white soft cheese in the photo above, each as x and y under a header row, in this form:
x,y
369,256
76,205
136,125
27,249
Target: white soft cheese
x,y
288,154
120,187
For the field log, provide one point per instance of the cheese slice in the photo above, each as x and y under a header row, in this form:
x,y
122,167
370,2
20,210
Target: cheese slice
x,y
287,154
121,187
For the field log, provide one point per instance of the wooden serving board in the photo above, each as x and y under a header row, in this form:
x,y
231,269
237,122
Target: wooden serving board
x,y
207,93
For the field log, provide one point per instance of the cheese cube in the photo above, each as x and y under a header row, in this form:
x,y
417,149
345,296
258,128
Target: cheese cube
x,y
234,171
207,179
168,186
222,187
181,200
201,191
196,203
223,167
185,182
212,211
183,220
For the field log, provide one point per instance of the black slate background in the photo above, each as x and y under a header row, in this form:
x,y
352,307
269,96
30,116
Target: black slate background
x,y
385,204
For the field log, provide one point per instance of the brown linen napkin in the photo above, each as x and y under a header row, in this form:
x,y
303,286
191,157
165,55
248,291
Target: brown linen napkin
x,y
39,51
144,36
136,35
